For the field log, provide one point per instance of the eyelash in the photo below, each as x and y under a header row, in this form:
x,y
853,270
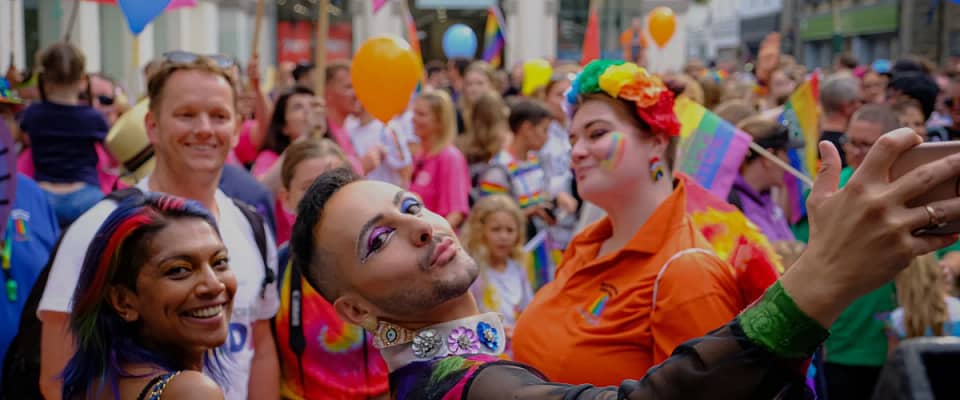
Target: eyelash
x,y
410,206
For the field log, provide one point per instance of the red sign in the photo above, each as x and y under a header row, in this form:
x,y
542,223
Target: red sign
x,y
295,39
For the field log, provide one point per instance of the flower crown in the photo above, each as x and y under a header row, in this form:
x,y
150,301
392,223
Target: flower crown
x,y
627,81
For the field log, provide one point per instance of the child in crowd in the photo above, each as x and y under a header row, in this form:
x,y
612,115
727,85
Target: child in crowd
x,y
303,162
63,133
382,148
321,357
516,170
493,236
926,309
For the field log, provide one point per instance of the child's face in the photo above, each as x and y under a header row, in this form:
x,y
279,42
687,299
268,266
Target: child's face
x,y
500,231
303,176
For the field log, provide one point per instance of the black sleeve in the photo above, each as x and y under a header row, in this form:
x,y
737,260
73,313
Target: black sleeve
x,y
721,365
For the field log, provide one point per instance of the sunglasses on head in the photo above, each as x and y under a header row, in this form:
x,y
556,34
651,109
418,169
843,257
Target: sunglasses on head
x,y
104,100
951,102
186,57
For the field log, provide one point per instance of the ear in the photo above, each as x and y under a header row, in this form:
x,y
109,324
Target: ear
x,y
124,302
354,310
150,123
285,201
526,127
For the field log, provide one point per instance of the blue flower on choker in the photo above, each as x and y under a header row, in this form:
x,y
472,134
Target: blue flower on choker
x,y
488,335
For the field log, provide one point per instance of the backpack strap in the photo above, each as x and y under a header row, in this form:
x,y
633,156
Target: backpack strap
x,y
260,236
681,253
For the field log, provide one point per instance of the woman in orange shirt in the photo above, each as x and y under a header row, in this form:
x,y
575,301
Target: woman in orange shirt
x,y
643,280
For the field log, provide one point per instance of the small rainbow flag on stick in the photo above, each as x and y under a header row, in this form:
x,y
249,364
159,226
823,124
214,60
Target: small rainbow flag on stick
x,y
711,149
542,260
494,38
801,115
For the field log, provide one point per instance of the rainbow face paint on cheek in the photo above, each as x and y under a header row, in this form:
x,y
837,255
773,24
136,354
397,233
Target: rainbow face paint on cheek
x,y
615,152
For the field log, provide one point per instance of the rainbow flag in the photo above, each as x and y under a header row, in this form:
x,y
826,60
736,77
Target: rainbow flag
x,y
801,115
711,149
591,38
542,260
494,38
734,239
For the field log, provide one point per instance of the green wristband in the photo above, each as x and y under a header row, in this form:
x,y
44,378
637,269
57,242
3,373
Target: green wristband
x,y
778,325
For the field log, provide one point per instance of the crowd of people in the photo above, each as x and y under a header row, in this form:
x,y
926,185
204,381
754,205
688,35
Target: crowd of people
x,y
217,238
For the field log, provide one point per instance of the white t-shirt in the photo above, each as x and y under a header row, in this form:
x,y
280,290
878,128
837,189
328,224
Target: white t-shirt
x,y
245,260
507,292
393,140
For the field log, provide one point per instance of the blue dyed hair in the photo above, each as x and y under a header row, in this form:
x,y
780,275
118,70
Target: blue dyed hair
x,y
105,343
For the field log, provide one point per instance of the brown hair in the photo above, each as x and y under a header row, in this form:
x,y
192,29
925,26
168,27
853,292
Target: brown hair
x,y
335,66
712,92
442,109
626,110
62,63
159,79
906,103
734,111
488,123
759,127
308,149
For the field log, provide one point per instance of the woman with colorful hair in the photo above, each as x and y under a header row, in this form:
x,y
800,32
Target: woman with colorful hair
x,y
641,281
157,304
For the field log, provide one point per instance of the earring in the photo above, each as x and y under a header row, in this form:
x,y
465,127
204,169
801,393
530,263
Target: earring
x,y
656,169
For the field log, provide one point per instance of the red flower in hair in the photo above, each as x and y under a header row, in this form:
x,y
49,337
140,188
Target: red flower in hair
x,y
660,115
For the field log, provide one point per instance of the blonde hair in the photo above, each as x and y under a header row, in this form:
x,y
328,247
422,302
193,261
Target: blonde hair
x,y
473,238
734,111
308,149
488,122
921,290
442,109
465,104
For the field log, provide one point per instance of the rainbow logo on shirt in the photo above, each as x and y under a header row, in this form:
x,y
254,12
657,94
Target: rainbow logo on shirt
x,y
593,311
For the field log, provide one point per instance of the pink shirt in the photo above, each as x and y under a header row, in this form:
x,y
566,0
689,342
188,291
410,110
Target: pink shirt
x,y
442,181
342,138
245,152
264,161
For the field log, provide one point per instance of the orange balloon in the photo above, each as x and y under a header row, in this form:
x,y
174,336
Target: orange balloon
x,y
385,72
662,23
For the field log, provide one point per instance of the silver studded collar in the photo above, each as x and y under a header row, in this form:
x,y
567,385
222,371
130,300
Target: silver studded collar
x,y
479,334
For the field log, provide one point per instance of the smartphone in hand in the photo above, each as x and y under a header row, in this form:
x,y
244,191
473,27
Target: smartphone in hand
x,y
926,153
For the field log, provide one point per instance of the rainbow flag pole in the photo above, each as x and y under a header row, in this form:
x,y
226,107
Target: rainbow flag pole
x,y
801,116
542,261
494,37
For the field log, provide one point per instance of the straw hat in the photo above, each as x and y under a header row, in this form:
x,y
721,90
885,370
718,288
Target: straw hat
x,y
128,143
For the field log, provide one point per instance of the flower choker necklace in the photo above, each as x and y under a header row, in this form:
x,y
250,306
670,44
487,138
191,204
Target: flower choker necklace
x,y
479,334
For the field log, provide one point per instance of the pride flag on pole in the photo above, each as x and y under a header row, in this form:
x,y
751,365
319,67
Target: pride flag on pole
x,y
711,149
801,116
494,38
542,260
591,38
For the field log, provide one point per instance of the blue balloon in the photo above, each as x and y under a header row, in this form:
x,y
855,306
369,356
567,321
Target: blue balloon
x,y
460,41
141,13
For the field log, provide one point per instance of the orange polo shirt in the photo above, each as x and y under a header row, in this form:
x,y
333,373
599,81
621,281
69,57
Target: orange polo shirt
x,y
595,322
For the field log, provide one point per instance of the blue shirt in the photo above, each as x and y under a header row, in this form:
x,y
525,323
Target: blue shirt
x,y
63,139
35,233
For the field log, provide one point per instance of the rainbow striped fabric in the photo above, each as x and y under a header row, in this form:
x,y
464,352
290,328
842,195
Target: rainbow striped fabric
x,y
494,38
526,181
801,116
711,149
543,258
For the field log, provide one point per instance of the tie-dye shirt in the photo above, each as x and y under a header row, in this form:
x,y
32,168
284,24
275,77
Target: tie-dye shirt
x,y
337,362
